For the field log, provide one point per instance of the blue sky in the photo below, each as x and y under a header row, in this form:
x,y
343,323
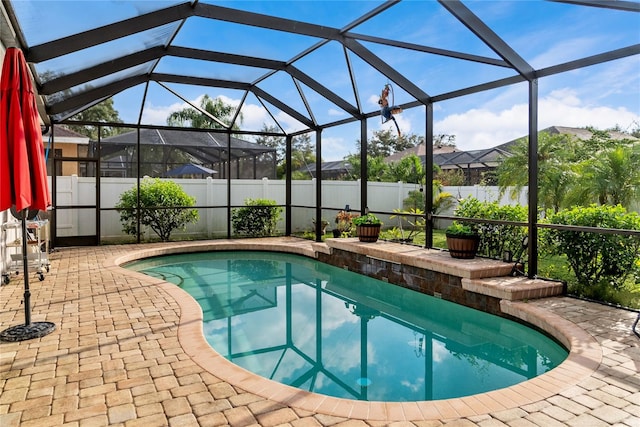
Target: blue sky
x,y
543,33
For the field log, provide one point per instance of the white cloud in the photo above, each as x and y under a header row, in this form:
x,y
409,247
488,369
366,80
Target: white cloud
x,y
501,119
254,116
157,115
484,128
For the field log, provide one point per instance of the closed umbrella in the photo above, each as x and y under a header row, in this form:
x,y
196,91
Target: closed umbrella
x,y
23,171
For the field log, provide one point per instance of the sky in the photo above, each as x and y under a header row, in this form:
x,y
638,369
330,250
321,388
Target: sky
x,y
542,33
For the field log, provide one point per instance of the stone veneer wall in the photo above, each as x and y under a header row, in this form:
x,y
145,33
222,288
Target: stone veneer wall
x,y
441,285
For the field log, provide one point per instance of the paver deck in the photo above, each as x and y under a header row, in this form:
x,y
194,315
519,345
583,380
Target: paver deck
x,y
128,350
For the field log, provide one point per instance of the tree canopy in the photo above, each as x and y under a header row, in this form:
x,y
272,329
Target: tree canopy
x,y
218,113
99,113
572,172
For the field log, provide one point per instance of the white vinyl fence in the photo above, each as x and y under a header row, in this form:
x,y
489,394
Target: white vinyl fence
x,y
211,200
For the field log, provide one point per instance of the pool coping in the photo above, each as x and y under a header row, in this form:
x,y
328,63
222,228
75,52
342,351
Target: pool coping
x,y
585,353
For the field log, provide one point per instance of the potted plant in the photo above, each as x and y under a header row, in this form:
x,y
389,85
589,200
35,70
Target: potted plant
x,y
367,227
462,240
344,225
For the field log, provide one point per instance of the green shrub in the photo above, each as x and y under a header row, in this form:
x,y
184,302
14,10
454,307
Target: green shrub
x,y
494,238
597,259
366,219
163,207
442,200
258,219
460,230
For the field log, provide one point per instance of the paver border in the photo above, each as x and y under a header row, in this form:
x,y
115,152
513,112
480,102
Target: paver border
x,y
585,353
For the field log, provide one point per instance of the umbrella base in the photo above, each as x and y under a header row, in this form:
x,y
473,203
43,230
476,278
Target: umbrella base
x,y
27,332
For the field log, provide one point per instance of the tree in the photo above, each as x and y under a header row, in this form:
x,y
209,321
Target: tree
x,y
450,177
383,143
570,171
408,169
611,176
191,117
444,140
376,167
164,206
555,177
302,153
99,113
277,142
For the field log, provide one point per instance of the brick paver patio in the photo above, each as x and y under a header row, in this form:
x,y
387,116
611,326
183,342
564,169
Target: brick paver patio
x,y
125,353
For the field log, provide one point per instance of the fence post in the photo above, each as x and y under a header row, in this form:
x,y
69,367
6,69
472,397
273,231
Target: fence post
x,y
265,187
209,211
75,196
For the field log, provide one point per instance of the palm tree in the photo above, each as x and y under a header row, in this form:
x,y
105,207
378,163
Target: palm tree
x,y
611,176
218,112
555,176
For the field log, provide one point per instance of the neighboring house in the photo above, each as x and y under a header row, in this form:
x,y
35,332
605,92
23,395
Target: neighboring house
x,y
420,151
476,164
63,142
580,133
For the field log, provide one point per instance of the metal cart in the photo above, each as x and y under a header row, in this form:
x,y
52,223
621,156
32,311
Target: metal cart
x,y
37,244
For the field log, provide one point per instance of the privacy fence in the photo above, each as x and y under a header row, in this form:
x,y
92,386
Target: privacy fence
x,y
211,202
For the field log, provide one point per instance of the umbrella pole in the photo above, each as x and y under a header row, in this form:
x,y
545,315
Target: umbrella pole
x,y
25,266
28,330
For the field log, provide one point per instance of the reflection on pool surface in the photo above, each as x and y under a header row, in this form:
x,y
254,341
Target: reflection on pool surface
x,y
330,331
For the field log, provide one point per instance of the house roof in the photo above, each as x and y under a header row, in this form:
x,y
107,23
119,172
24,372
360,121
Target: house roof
x,y
420,150
580,133
66,135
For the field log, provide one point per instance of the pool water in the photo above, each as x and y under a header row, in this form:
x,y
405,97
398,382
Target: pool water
x,y
331,331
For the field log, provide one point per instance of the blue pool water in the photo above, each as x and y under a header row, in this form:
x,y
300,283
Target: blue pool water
x,y
331,331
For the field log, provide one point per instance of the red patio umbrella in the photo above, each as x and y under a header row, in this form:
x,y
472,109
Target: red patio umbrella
x,y
23,171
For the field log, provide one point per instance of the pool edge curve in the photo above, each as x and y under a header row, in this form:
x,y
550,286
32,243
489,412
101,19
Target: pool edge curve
x,y
585,353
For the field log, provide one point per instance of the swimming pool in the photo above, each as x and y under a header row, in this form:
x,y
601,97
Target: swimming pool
x,y
330,331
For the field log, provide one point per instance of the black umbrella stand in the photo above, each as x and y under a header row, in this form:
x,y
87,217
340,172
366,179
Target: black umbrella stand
x,y
30,329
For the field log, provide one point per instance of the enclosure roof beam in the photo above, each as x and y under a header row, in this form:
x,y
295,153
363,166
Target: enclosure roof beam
x,y
322,90
490,38
265,21
284,107
101,70
107,33
591,60
628,6
427,49
95,94
386,69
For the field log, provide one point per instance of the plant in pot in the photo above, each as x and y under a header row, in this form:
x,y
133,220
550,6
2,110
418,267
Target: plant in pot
x,y
344,224
367,227
462,240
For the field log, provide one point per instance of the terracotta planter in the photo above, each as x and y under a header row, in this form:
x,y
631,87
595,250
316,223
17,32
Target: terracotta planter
x,y
368,232
463,247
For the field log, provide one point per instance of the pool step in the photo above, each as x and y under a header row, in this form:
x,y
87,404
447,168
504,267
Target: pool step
x,y
514,288
481,276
